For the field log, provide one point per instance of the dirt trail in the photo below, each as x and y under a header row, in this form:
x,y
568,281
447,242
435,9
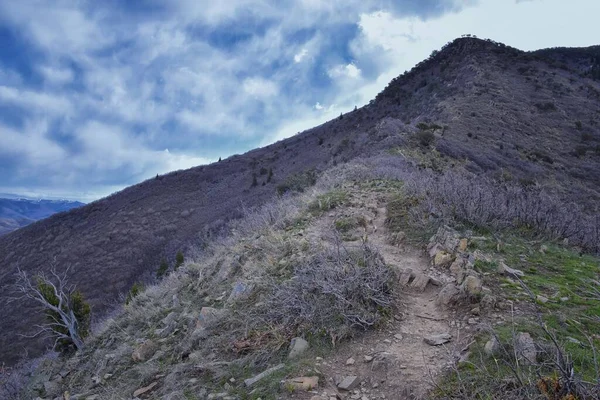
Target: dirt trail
x,y
395,362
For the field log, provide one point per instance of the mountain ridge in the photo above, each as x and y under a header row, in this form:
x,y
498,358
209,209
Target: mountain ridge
x,y
501,112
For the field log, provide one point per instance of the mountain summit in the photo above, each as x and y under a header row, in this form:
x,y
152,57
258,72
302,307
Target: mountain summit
x,y
531,118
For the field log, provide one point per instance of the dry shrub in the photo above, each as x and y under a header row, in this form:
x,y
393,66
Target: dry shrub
x,y
481,202
332,295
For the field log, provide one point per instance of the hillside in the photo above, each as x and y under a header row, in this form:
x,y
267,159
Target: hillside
x,y
16,213
510,115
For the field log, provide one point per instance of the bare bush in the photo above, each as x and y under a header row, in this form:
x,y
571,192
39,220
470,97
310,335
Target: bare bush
x,y
481,202
331,295
334,292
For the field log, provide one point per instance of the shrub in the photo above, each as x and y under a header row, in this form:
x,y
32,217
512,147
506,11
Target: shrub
x,y
162,269
178,260
477,201
546,106
136,289
332,294
297,182
580,150
425,138
80,308
344,225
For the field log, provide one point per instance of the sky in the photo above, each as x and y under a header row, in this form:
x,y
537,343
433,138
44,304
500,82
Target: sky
x,y
99,95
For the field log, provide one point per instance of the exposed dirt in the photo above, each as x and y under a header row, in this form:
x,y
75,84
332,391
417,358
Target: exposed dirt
x,y
394,362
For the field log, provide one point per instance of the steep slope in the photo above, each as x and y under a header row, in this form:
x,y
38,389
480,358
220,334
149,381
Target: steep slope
x,y
16,213
502,112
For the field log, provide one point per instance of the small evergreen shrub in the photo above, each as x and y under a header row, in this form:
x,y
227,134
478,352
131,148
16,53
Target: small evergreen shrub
x,y
178,260
162,269
136,289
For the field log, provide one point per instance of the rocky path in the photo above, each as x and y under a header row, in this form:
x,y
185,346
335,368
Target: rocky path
x,y
396,362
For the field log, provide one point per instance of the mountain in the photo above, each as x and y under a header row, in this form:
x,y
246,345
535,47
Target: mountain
x,y
531,118
18,212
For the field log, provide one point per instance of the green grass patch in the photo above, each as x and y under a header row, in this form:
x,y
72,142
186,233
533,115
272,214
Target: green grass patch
x,y
328,201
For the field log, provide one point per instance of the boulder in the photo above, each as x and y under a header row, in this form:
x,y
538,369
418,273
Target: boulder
x,y
437,339
240,291
348,383
525,347
297,347
488,302
448,295
506,270
207,316
472,285
491,347
443,259
457,266
462,244
145,351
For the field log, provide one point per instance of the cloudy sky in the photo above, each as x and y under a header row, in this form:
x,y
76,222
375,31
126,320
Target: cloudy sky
x,y
98,95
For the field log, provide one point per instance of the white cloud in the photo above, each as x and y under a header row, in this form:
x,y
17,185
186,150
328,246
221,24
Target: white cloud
x,y
58,76
35,102
300,56
260,88
344,71
146,81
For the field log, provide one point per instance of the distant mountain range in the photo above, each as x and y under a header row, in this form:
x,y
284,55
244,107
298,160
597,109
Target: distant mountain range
x,y
17,212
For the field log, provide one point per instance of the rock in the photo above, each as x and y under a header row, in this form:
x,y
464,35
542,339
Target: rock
x,y
240,291
217,396
170,319
144,351
350,361
420,282
433,249
398,336
506,270
488,302
405,276
457,268
348,383
438,339
472,321
145,389
472,285
542,299
176,302
525,347
443,259
297,347
208,315
476,311
305,383
51,389
251,381
462,244
491,347
448,295
368,359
